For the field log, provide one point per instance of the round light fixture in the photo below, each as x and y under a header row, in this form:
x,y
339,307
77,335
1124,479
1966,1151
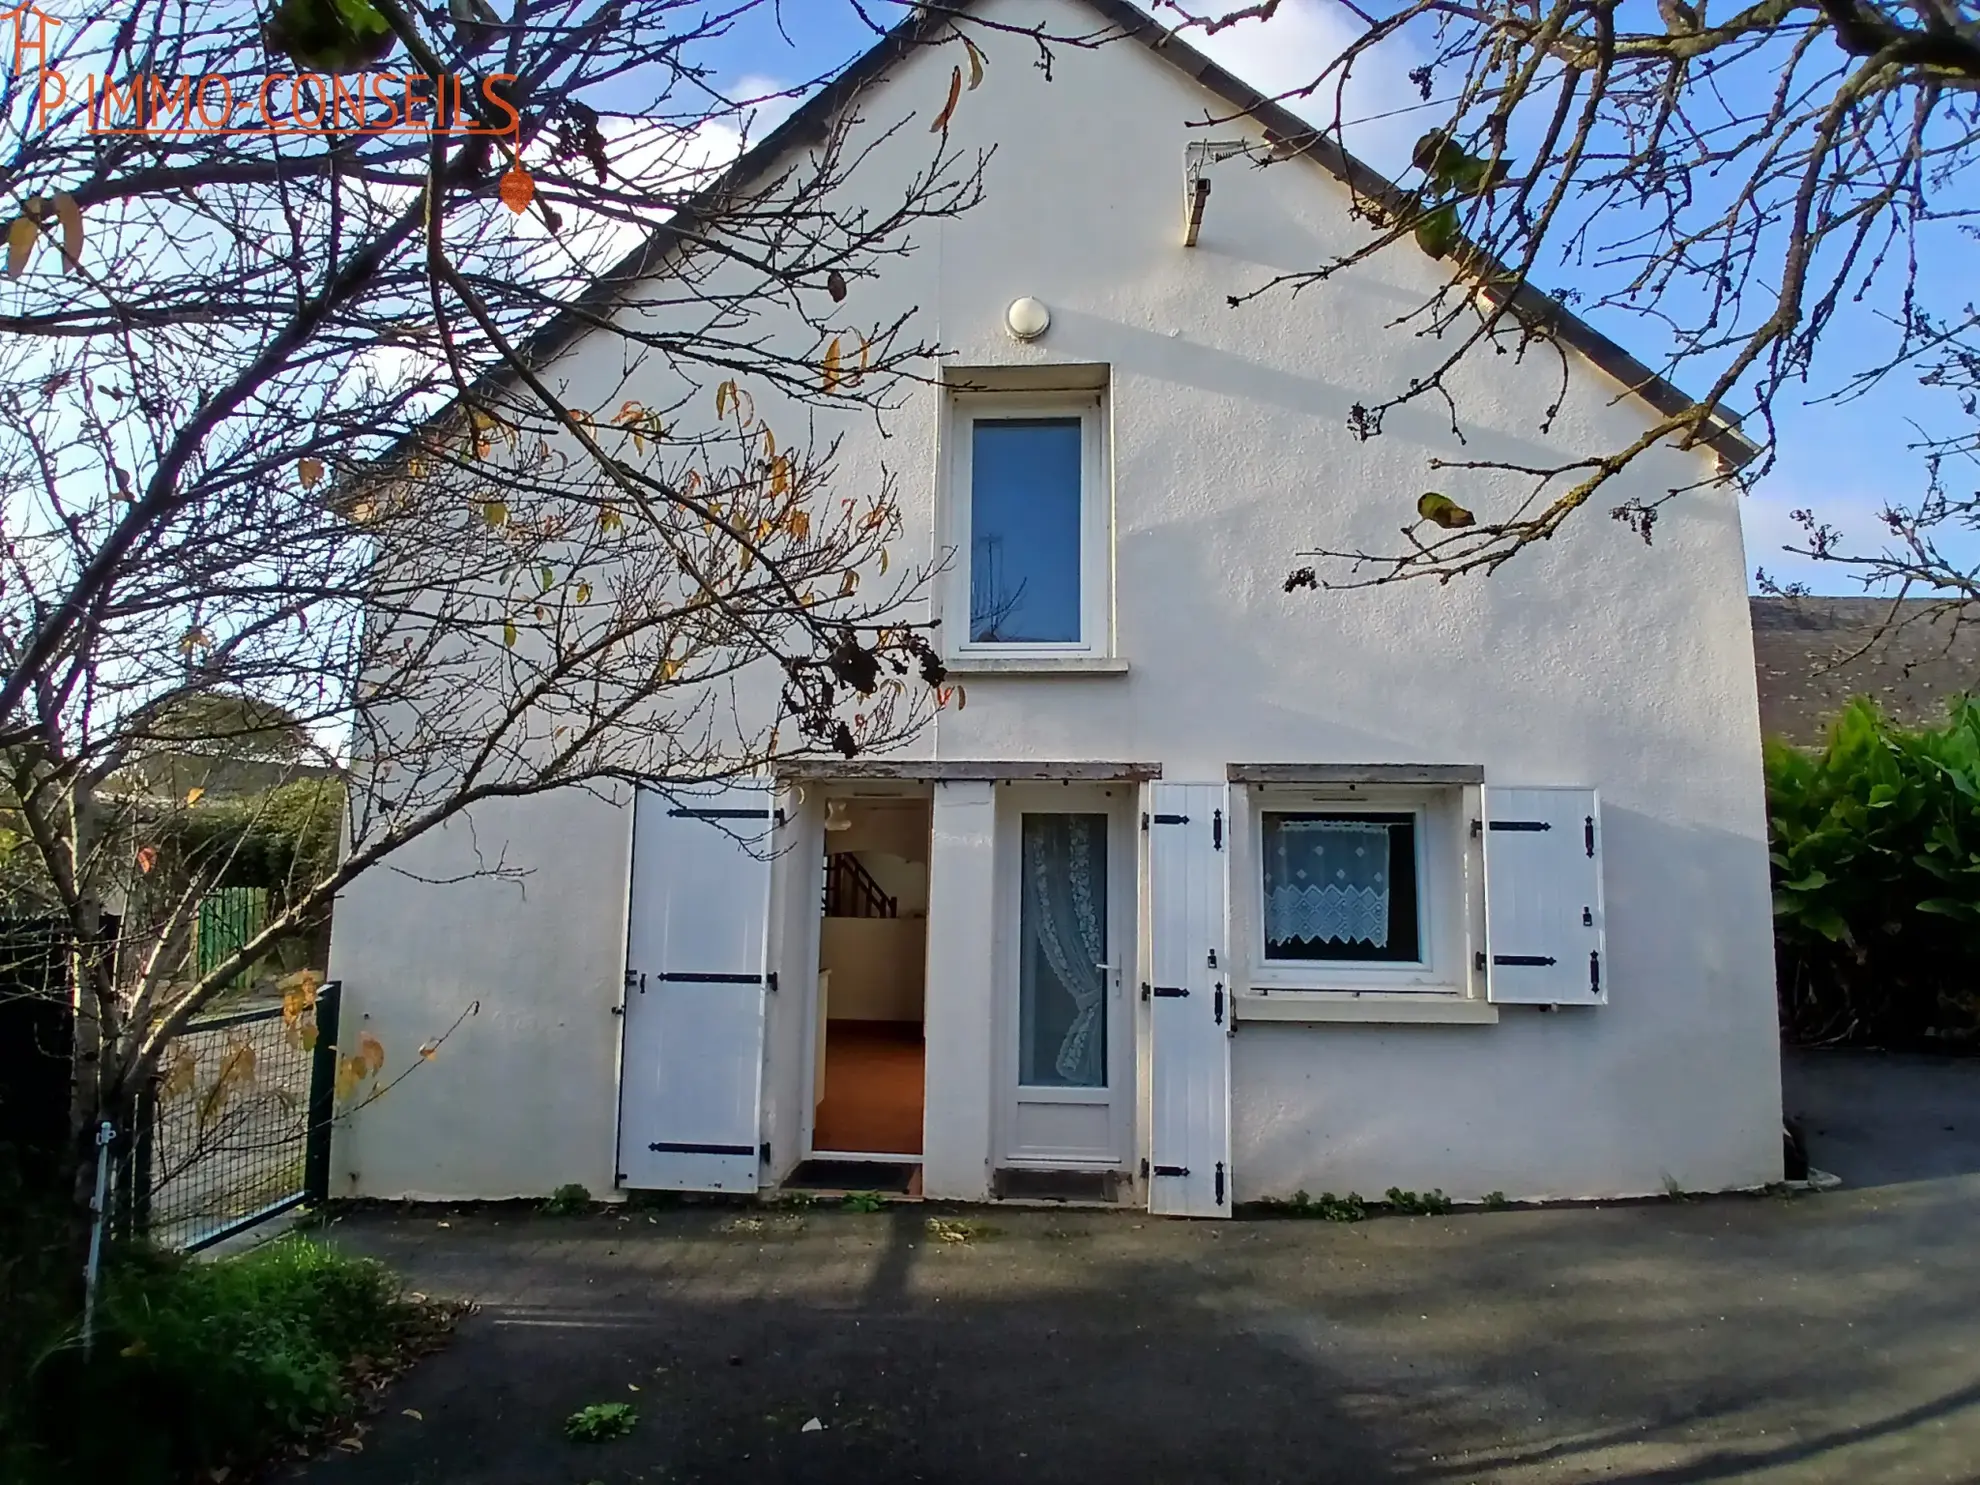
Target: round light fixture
x,y
1027,319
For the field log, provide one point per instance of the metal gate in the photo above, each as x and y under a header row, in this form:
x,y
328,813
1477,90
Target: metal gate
x,y
236,1127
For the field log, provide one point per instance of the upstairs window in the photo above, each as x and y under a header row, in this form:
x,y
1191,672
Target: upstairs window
x,y
1028,495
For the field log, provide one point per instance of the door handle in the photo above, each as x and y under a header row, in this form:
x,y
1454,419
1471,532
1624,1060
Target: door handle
x,y
1111,969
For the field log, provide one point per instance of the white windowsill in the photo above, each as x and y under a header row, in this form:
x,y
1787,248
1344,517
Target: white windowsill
x,y
1035,665
1445,1010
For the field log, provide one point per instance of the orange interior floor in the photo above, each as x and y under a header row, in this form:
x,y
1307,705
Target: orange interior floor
x,y
873,1087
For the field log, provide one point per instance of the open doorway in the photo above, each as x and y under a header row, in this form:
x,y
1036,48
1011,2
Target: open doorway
x,y
869,1075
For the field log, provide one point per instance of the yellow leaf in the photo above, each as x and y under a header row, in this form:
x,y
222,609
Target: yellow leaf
x,y
769,443
747,560
179,1072
849,582
509,634
780,475
193,796
70,216
723,392
800,524
495,512
429,1050
21,233
975,64
883,561
1441,510
941,124
832,365
309,471
306,980
307,1035
350,1073
584,592
195,639
669,669
609,518
414,1414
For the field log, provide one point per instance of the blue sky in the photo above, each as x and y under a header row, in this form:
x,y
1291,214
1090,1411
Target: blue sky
x,y
1841,460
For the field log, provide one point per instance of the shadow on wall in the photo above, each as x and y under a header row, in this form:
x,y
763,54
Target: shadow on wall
x,y
1689,1343
1675,1081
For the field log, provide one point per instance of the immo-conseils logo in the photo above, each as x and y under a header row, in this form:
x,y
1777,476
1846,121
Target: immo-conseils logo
x,y
289,103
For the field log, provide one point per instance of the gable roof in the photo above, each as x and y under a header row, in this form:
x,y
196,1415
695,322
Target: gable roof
x,y
1284,129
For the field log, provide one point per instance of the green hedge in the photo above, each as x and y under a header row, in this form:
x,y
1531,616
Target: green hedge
x,y
1876,855
202,1364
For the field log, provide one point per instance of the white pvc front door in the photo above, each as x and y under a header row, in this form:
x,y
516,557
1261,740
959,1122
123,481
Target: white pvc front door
x,y
1188,988
1067,911
690,1078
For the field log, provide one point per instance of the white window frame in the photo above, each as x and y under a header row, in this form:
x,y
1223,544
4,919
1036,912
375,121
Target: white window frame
x,y
1096,587
1445,932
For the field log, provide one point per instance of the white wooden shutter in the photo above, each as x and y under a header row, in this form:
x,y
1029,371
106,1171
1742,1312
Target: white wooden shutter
x,y
1189,995
1543,897
690,1079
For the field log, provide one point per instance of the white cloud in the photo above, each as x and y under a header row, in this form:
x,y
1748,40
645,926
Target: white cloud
x,y
1297,44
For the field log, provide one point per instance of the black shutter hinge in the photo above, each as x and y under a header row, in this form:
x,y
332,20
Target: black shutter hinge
x,y
1216,830
1144,1167
1166,992
636,980
1220,1183
1537,960
1171,1170
1477,828
1168,819
1522,825
618,1010
1595,971
766,1152
1588,835
1478,960
771,980
1217,1005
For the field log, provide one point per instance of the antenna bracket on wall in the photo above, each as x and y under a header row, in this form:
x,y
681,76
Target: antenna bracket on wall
x,y
1198,157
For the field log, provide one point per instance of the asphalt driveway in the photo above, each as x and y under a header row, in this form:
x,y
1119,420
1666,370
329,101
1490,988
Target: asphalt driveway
x,y
1767,1339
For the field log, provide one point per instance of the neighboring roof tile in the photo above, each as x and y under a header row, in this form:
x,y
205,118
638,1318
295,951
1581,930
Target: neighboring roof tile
x,y
1813,655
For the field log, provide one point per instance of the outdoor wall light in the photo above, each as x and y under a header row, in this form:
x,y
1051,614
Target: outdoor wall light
x,y
1027,319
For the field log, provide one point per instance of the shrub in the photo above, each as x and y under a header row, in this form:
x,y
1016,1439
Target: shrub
x,y
1875,845
207,1363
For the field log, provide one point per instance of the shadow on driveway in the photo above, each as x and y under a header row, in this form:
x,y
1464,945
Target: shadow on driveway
x,y
1811,1339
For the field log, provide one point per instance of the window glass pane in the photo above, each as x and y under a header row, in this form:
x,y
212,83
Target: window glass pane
x,y
1062,942
1024,532
1341,887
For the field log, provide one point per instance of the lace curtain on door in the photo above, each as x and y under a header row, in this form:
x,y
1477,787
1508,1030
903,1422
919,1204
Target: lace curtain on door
x,y
1326,880
1063,924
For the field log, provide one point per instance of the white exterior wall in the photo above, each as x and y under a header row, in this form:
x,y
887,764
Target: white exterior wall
x,y
1591,660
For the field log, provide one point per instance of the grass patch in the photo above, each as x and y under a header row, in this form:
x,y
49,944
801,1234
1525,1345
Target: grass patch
x,y
864,1201
1328,1208
222,1364
596,1422
568,1200
959,1231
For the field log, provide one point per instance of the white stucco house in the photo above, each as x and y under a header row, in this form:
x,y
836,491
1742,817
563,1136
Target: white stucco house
x,y
1212,892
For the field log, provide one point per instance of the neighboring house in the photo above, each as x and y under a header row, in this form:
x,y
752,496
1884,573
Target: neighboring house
x,y
1212,892
1814,655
